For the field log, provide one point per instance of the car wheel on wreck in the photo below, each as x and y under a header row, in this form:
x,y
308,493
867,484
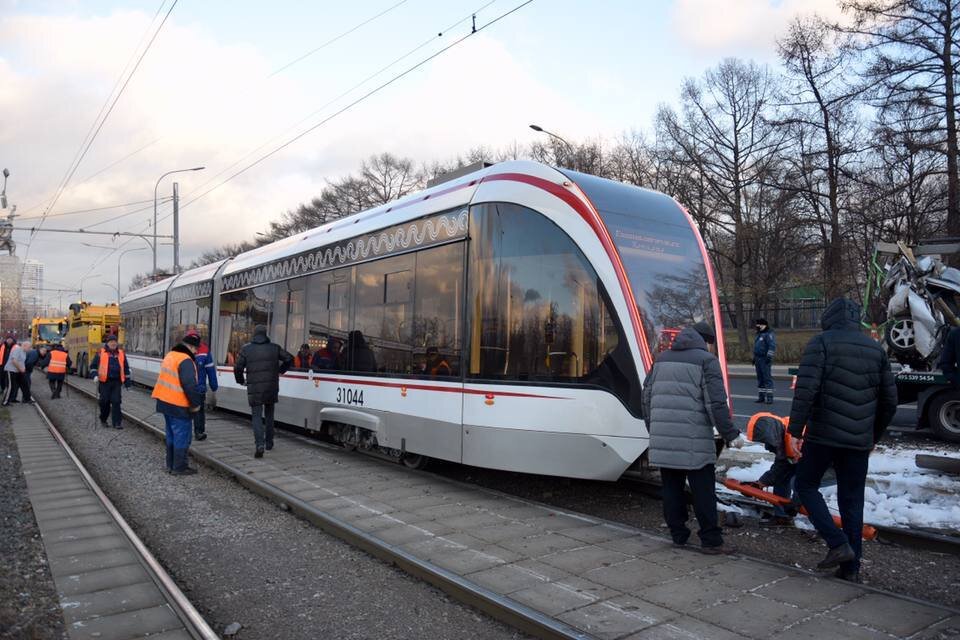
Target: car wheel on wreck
x,y
901,343
900,337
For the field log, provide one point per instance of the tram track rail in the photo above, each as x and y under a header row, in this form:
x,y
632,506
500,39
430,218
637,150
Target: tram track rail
x,y
192,620
515,614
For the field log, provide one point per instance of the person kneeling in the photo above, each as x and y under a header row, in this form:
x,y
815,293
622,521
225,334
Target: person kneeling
x,y
772,431
177,399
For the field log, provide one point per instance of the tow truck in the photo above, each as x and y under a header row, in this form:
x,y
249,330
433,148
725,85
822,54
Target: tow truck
x,y
87,326
47,330
938,402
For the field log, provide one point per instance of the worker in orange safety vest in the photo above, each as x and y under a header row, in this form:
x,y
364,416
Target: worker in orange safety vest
x,y
110,368
178,399
771,431
57,363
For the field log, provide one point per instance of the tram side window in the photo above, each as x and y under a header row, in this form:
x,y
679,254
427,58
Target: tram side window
x,y
143,331
240,313
536,307
288,314
438,310
328,316
382,331
189,315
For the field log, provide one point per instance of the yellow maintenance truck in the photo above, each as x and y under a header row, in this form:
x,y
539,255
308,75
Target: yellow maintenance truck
x,y
47,330
87,326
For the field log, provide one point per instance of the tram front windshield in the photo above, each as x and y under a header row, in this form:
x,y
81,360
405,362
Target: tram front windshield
x,y
660,253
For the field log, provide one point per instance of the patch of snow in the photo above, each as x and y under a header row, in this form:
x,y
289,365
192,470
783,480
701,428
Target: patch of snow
x,y
898,493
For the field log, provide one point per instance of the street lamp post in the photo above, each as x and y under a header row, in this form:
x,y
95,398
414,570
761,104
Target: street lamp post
x,y
571,155
118,268
84,279
113,287
157,186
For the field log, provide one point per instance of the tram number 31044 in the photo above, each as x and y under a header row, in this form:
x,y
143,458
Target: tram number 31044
x,y
346,395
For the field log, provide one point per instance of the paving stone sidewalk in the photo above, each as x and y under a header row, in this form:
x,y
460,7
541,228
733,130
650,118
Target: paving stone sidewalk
x,y
607,580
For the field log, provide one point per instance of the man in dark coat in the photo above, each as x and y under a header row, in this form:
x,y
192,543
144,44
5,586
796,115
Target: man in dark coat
x,y
845,398
684,398
259,367
33,356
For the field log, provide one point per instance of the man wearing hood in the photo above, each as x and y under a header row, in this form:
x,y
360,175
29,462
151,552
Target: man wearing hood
x,y
684,398
178,398
259,367
845,398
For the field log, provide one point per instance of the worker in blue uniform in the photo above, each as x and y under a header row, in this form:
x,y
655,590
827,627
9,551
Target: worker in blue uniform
x,y
206,376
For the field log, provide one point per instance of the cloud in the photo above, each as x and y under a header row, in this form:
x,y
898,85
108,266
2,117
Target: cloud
x,y
209,102
741,26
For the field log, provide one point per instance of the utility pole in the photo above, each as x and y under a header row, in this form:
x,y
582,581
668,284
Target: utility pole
x,y
155,187
176,228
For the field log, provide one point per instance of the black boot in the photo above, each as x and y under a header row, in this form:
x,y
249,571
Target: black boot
x,y
180,467
837,556
769,398
200,435
760,399
258,453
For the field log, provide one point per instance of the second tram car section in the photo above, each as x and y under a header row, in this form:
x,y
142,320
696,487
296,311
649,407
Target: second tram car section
x,y
505,319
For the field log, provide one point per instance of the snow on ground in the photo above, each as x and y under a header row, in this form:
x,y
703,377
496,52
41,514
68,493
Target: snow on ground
x,y
898,492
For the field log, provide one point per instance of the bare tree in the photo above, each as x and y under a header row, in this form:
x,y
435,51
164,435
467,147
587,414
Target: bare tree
x,y
912,49
724,131
819,112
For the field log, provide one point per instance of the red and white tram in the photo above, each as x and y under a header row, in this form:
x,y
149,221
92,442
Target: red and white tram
x,y
505,319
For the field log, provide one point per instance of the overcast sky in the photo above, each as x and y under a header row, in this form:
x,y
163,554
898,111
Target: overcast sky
x,y
209,92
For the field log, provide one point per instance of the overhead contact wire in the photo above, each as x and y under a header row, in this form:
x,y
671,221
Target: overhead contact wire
x,y
340,96
336,38
106,116
359,100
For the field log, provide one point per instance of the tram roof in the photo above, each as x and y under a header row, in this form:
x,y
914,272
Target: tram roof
x,y
443,196
152,288
198,274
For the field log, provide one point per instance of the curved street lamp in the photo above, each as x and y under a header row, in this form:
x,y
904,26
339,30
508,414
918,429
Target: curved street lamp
x,y
571,154
118,268
84,279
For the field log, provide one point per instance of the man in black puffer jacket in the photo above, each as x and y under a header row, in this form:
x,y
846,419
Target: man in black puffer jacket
x,y
263,362
844,400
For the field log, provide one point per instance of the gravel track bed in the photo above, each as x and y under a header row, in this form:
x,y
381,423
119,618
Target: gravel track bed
x,y
241,559
29,606
921,574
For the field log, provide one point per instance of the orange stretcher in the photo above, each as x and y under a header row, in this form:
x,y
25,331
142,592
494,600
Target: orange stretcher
x,y
869,533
